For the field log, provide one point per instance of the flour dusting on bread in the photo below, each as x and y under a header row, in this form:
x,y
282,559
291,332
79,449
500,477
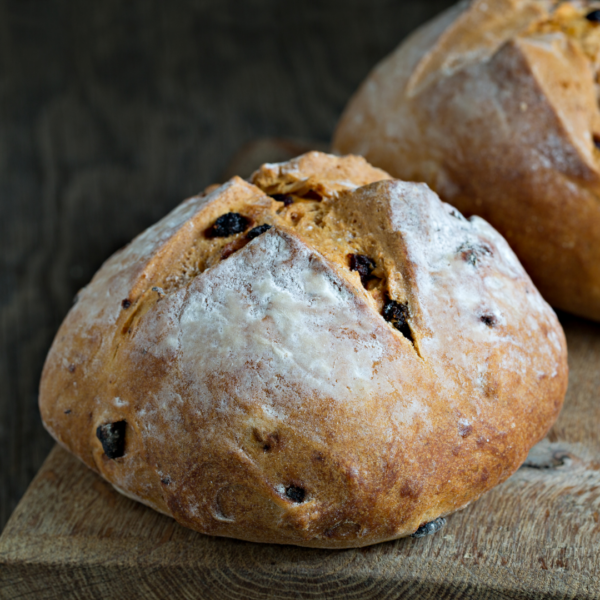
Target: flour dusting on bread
x,y
323,357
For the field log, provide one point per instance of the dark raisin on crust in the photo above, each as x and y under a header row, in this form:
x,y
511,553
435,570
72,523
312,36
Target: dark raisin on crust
x,y
489,320
68,411
285,198
397,314
596,138
593,16
429,528
295,494
112,438
472,254
312,195
253,233
166,480
363,265
228,224
126,303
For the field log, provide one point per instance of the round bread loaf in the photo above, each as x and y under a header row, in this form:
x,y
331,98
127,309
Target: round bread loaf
x,y
324,357
495,106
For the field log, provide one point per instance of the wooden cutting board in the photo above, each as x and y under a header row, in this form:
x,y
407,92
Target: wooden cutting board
x,y
535,536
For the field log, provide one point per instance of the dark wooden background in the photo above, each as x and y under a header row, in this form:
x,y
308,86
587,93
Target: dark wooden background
x,y
112,112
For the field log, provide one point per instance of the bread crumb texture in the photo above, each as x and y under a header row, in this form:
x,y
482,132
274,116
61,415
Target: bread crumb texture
x,y
322,356
495,106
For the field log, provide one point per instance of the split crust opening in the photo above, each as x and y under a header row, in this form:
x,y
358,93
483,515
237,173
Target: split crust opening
x,y
306,208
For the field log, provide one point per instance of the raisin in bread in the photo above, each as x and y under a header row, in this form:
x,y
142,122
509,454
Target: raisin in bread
x,y
324,356
495,106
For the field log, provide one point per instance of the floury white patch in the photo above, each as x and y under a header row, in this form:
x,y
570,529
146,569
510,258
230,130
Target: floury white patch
x,y
278,307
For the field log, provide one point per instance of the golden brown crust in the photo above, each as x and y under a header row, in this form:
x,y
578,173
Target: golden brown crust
x,y
265,395
495,107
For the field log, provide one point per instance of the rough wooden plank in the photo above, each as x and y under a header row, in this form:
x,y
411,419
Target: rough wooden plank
x,y
112,112
535,536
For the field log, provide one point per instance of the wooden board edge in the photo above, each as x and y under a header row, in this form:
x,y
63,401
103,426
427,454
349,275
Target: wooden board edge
x,y
120,582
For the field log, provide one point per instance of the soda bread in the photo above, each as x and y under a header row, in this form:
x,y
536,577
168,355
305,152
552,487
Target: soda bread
x,y
324,357
495,106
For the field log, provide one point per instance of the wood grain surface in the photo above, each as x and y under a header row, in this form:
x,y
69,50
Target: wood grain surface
x,y
535,536
112,112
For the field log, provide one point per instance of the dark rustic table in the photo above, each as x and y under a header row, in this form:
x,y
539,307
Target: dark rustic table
x,y
112,112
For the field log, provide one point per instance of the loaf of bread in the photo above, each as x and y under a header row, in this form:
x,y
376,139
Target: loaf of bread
x,y
495,106
324,357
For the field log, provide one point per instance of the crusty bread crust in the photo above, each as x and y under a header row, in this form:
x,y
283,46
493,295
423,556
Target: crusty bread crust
x,y
495,106
263,394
